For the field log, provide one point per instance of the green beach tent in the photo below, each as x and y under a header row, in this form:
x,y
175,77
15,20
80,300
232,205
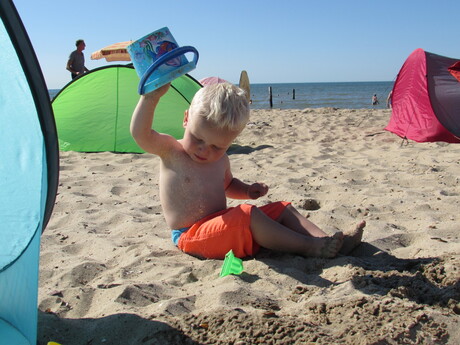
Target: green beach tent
x,y
93,112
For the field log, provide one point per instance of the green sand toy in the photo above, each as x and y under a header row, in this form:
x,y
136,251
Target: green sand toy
x,y
232,265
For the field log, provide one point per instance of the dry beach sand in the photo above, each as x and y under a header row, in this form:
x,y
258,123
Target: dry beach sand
x,y
109,273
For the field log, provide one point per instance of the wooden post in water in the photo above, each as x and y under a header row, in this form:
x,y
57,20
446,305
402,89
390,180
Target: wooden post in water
x,y
270,96
293,93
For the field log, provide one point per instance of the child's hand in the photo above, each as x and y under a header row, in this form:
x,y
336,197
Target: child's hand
x,y
158,93
256,190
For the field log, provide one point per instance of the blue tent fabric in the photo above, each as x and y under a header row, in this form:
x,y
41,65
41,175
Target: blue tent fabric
x,y
28,177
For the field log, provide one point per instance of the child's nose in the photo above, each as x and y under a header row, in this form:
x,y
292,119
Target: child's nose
x,y
203,148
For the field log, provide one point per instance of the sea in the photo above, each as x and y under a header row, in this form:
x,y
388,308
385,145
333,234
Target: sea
x,y
347,95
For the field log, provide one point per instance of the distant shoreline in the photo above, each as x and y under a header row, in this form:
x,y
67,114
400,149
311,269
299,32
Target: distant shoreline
x,y
343,95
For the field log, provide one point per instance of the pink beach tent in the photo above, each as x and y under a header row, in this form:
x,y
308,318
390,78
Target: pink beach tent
x,y
426,99
212,81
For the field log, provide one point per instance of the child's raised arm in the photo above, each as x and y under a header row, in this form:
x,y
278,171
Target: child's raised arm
x,y
141,124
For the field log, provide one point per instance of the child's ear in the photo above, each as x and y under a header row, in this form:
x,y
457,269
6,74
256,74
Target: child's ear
x,y
184,124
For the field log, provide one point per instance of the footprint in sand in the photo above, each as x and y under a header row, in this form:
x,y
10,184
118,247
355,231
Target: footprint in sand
x,y
117,190
142,295
84,273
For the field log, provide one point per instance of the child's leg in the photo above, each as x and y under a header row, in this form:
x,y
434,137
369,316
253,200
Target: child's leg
x,y
293,220
273,235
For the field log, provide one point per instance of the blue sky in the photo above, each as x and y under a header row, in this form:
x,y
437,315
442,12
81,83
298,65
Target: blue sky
x,y
274,41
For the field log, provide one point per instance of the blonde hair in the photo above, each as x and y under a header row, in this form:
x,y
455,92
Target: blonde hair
x,y
224,105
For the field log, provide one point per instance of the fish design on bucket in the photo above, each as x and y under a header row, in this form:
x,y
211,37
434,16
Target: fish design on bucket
x,y
155,50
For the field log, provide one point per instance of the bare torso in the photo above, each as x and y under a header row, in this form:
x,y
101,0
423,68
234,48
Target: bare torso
x,y
190,190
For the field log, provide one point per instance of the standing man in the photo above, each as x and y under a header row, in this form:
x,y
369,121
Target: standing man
x,y
375,100
76,63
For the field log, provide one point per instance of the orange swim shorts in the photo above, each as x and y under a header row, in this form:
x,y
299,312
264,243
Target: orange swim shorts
x,y
212,237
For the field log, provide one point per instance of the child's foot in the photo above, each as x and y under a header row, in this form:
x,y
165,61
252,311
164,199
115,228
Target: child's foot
x,y
331,245
352,238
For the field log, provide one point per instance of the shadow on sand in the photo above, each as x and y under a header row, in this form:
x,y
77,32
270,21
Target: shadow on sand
x,y
126,329
373,272
245,149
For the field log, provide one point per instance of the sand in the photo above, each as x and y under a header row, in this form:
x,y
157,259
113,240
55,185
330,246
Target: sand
x,y
109,273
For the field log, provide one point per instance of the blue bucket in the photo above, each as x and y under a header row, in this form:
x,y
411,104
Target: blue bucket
x,y
159,60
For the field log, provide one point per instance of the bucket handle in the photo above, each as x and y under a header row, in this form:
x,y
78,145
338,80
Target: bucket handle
x,y
163,59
